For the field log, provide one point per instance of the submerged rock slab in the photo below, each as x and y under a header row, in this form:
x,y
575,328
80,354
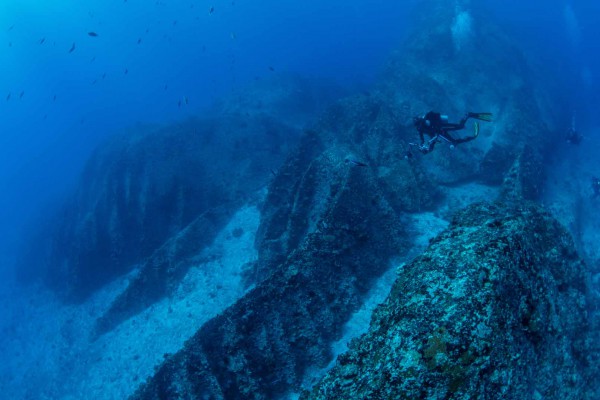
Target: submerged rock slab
x,y
142,191
495,308
260,347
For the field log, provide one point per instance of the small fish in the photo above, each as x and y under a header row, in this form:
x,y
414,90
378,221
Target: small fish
x,y
54,98
271,69
8,97
139,40
126,71
104,75
93,59
11,27
211,10
92,34
42,40
179,104
185,100
355,162
72,48
21,94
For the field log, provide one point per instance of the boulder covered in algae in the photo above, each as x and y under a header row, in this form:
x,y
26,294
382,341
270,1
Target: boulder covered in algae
x,y
495,308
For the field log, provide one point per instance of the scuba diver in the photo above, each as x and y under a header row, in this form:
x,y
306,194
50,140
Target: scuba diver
x,y
573,137
595,187
437,126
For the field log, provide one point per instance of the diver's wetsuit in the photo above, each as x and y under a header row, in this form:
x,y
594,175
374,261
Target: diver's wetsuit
x,y
433,125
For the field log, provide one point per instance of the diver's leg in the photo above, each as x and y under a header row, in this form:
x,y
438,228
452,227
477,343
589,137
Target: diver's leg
x,y
457,127
454,141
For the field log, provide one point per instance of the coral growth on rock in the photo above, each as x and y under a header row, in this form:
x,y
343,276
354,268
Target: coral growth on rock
x,y
496,307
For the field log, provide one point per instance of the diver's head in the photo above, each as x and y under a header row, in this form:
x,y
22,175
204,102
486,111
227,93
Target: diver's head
x,y
420,122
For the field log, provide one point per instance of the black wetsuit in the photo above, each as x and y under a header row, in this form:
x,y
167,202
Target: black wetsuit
x,y
433,125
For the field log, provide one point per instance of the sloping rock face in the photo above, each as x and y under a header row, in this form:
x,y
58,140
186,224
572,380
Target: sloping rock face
x,y
260,347
495,308
157,196
139,190
357,129
458,61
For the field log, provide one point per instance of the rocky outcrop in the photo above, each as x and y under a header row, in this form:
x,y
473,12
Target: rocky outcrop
x,y
458,60
155,196
496,307
261,346
358,129
142,189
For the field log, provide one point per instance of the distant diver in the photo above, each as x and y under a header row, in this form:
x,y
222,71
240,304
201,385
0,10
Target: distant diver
x,y
573,136
437,127
595,187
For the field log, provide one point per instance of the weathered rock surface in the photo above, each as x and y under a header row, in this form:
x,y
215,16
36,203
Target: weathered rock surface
x,y
458,60
157,195
140,190
260,347
495,308
253,349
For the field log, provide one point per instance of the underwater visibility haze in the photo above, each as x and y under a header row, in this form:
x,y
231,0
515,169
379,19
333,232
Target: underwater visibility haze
x,y
299,200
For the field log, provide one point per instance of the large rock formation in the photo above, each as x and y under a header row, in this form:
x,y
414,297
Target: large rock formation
x,y
143,188
334,220
261,346
496,308
458,60
157,195
261,334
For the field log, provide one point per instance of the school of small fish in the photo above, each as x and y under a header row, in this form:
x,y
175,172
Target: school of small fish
x,y
97,35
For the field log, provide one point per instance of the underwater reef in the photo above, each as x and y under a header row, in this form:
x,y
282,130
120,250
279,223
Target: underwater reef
x,y
497,307
498,304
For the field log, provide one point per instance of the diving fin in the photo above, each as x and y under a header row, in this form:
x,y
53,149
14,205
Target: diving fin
x,y
481,116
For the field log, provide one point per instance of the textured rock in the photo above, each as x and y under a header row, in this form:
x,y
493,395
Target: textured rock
x,y
359,129
495,308
489,72
261,346
142,189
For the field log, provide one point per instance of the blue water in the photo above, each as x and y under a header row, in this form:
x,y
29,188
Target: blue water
x,y
63,91
71,100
